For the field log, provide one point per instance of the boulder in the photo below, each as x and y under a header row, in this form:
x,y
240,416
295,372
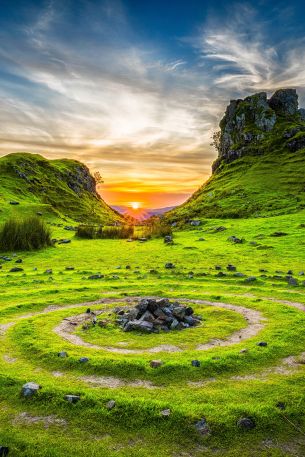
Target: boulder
x,y
284,102
72,398
16,270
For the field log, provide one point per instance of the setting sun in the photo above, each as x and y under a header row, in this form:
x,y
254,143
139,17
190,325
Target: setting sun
x,y
135,205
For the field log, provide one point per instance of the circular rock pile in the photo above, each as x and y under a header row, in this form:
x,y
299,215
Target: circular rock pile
x,y
152,315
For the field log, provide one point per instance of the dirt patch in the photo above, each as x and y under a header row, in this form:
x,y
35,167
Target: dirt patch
x,y
46,421
114,383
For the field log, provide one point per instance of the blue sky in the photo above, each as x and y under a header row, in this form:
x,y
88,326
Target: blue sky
x,y
136,88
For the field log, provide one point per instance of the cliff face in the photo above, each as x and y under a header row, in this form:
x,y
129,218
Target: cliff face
x,y
260,169
247,122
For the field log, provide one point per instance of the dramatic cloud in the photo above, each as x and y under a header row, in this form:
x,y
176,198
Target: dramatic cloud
x,y
95,92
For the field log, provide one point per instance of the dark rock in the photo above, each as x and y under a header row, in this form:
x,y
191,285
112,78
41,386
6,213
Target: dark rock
x,y
235,240
285,102
221,274
72,398
128,267
48,272
278,234
88,311
202,427
39,213
239,275
16,270
169,265
84,359
97,276
217,267
141,326
69,268
246,423
29,389
292,281
62,354
156,363
168,239
301,112
64,241
195,363
281,405
231,267
220,229
195,223
262,344
4,451
251,279
14,203
18,261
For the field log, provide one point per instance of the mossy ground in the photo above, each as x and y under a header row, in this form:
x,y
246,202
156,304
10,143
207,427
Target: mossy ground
x,y
228,385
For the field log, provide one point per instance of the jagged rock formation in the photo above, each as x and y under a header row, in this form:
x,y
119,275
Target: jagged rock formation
x,y
260,169
247,121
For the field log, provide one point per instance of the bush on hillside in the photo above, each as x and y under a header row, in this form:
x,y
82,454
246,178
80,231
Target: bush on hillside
x,y
86,231
24,234
121,232
157,229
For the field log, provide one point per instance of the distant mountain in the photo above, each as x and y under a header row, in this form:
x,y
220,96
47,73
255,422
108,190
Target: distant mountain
x,y
260,169
64,188
141,213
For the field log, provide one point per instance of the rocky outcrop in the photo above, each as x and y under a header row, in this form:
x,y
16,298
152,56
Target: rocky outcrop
x,y
248,121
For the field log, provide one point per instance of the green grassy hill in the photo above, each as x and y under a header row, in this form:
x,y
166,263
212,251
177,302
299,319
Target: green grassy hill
x,y
57,188
262,177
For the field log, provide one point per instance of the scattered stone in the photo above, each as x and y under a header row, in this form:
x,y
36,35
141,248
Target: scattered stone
x,y
235,240
281,405
262,344
98,276
169,265
202,427
14,203
278,234
16,270
195,363
72,398
62,354
128,267
69,268
110,404
156,363
168,239
239,275
246,423
231,267
49,271
220,229
221,274
4,451
39,213
251,279
243,351
19,261
201,239
218,267
292,281
195,223
29,389
84,359
165,412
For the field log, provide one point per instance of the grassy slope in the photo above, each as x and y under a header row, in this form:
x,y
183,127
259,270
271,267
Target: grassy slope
x,y
134,427
270,180
46,190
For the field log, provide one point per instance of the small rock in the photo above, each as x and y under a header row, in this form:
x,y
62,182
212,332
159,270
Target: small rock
x,y
165,412
98,276
72,398
62,354
251,279
168,239
195,363
202,427
14,203
64,241
246,423
281,405
84,359
29,389
278,234
16,270
169,265
262,344
231,267
70,268
110,404
243,351
293,281
18,261
218,267
49,271
4,451
156,363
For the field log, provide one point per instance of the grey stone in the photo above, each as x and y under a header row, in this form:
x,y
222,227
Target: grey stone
x,y
169,265
262,344
293,281
16,270
62,354
156,363
195,363
72,398
202,427
110,404
284,101
165,412
84,359
97,276
246,423
29,389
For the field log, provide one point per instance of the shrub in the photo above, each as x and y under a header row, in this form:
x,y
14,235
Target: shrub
x,y
123,232
157,229
86,231
24,234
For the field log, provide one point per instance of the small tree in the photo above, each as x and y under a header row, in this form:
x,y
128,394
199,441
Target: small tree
x,y
216,140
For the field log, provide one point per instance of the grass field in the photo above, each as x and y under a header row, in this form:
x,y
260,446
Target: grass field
x,y
228,385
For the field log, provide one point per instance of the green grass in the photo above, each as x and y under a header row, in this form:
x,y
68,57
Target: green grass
x,y
228,384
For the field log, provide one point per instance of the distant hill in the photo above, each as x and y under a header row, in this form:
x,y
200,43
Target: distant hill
x,y
64,188
260,169
141,213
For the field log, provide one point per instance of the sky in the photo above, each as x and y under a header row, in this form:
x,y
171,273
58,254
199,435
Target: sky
x,y
135,88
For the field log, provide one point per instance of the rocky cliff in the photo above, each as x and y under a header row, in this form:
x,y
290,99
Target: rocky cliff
x,y
248,122
260,168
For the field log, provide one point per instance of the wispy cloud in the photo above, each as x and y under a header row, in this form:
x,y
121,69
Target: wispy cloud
x,y
139,116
